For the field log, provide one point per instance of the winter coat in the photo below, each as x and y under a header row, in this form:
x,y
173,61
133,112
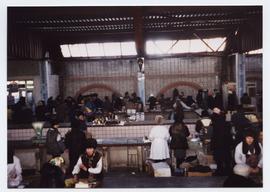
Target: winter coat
x,y
178,133
75,143
221,137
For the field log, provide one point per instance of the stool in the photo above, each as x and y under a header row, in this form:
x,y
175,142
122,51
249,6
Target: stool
x,y
132,154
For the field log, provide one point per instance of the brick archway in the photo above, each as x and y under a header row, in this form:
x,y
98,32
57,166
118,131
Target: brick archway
x,y
96,85
179,83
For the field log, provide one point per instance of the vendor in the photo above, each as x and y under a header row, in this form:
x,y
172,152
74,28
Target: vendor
x,y
89,164
249,152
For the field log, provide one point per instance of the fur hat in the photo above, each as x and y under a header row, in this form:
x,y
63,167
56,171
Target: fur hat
x,y
54,122
249,133
91,143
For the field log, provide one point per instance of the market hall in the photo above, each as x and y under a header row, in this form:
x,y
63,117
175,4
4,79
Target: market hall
x,y
142,96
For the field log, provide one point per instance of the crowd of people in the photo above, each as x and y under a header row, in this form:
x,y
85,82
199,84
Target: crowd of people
x,y
63,109
230,149
231,154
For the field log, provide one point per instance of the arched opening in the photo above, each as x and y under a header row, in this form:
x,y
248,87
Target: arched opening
x,y
192,88
101,89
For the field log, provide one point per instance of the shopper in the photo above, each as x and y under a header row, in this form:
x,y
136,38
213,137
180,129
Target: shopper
x,y
74,142
179,133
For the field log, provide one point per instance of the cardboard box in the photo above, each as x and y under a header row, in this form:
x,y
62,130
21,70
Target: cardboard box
x,y
161,169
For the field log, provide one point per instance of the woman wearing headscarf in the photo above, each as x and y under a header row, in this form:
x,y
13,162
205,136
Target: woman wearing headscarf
x,y
159,136
249,152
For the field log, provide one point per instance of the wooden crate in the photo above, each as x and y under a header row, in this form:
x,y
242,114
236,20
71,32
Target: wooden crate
x,y
199,174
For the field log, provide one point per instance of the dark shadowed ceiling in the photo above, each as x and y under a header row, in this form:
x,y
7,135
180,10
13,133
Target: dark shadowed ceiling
x,y
88,24
124,21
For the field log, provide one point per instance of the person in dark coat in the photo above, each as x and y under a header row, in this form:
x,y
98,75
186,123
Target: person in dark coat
x,y
218,101
74,142
240,178
210,100
107,105
203,126
179,133
52,175
79,120
40,111
232,101
241,123
152,102
190,101
245,99
199,98
221,142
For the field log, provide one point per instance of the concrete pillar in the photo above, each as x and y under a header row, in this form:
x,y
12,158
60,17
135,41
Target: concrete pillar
x,y
240,73
141,86
44,77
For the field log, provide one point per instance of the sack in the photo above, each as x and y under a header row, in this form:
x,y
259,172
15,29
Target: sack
x,y
252,160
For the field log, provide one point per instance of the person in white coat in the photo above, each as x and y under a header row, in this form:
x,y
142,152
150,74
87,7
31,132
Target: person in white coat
x,y
159,136
249,152
14,170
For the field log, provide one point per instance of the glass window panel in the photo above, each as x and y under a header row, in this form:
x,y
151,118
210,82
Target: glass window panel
x,y
29,82
164,45
151,48
257,51
214,43
95,49
112,49
20,82
182,46
128,48
82,50
65,50
30,87
196,45
75,50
